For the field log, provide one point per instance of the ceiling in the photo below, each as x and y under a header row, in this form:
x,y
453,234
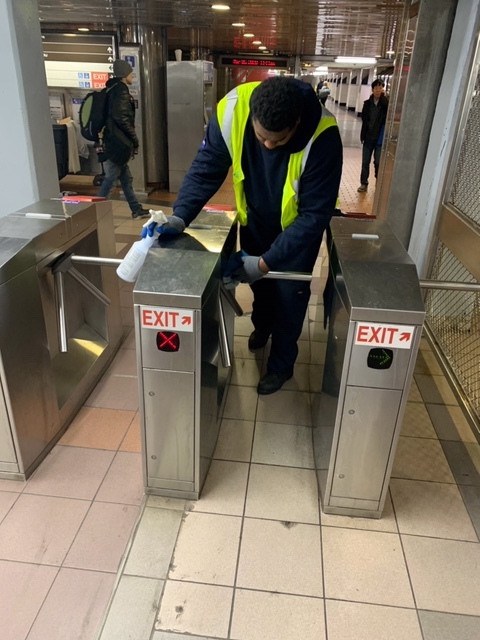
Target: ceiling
x,y
313,29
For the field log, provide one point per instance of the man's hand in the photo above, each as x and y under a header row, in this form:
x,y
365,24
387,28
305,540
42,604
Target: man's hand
x,y
173,226
244,268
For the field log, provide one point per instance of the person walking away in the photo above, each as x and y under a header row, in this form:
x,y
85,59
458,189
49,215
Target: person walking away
x,y
286,159
374,115
119,137
324,93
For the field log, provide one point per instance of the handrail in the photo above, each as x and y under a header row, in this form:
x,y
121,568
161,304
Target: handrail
x,y
449,285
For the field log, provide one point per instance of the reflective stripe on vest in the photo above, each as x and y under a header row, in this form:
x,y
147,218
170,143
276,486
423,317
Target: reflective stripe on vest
x,y
232,114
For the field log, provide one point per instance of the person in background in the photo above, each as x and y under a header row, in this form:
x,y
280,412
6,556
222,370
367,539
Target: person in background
x,y
286,159
324,93
119,137
374,115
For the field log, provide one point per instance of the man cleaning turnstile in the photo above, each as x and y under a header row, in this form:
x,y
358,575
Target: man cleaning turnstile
x,y
286,156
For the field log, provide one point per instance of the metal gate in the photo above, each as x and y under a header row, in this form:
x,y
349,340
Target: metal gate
x,y
453,317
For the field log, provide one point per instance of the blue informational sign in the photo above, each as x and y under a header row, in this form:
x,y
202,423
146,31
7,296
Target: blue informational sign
x,y
81,85
131,61
80,75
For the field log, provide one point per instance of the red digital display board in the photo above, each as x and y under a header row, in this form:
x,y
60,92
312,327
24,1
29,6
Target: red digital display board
x,y
254,62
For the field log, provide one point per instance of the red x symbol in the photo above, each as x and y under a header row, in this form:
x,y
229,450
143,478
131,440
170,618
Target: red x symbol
x,y
168,341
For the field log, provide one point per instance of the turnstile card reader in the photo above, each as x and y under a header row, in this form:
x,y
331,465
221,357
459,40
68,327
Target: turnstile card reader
x,y
179,313
376,316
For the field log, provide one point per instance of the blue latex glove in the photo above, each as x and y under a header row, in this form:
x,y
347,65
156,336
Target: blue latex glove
x,y
149,230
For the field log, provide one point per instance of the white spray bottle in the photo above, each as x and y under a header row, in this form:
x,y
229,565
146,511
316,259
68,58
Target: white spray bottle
x,y
132,263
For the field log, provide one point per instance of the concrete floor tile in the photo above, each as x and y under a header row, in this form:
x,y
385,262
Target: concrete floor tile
x,y
421,459
282,493
74,606
98,428
224,489
199,609
154,542
41,529
444,574
114,488
448,626
431,509
103,537
283,444
355,621
259,615
71,472
207,549
366,566
132,612
278,557
235,440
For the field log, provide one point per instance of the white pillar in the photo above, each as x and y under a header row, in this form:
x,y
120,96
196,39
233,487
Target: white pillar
x,y
27,163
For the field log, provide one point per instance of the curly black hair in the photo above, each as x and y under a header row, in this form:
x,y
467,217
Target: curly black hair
x,y
277,103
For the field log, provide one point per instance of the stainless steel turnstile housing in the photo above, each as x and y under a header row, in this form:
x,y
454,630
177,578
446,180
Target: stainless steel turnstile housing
x,y
376,316
42,384
184,335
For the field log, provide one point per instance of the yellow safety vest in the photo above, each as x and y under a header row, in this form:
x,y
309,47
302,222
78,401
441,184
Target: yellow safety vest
x,y
232,114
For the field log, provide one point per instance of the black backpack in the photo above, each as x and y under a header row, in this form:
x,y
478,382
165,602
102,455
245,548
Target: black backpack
x,y
93,114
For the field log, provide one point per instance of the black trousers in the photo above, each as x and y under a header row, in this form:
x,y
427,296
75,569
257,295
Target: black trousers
x,y
369,149
279,308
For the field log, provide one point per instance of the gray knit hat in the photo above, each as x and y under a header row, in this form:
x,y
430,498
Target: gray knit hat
x,y
122,69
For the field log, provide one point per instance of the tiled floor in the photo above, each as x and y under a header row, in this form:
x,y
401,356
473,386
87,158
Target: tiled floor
x,y
253,559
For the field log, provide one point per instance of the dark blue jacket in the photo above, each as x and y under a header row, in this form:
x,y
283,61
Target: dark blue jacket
x,y
296,248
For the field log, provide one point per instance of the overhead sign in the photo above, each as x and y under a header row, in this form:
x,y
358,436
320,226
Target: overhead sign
x,y
384,335
99,79
254,62
166,318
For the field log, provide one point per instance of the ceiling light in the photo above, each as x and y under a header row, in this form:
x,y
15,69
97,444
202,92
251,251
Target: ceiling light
x,y
248,35
256,42
220,7
389,53
262,48
238,24
83,29
353,60
322,69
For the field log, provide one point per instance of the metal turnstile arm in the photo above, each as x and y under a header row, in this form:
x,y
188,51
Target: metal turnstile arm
x,y
453,286
62,320
63,265
289,275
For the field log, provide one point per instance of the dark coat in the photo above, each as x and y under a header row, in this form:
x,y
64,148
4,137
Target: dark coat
x,y
119,136
373,119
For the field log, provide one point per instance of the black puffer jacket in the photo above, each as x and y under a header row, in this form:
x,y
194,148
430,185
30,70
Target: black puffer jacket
x,y
374,117
119,136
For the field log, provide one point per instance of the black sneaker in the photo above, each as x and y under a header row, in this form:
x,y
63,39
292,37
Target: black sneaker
x,y
141,213
258,339
272,382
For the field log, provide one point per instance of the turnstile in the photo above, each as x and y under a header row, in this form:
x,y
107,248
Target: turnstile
x,y
184,336
47,366
375,318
